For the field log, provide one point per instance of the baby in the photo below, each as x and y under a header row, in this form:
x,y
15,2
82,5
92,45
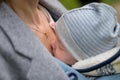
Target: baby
x,y
88,34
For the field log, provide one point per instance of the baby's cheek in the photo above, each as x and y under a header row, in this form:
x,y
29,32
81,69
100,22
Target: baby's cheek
x,y
62,54
58,53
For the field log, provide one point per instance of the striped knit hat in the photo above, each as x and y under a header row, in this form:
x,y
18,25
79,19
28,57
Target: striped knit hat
x,y
89,30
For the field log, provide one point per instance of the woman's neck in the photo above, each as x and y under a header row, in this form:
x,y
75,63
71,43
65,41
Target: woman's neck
x,y
26,9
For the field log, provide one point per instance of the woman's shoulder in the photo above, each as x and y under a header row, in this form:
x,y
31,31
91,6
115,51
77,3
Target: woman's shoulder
x,y
55,8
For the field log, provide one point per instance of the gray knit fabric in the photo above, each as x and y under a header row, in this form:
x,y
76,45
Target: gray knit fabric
x,y
89,30
22,54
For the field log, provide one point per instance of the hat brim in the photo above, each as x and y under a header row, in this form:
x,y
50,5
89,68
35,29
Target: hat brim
x,y
98,61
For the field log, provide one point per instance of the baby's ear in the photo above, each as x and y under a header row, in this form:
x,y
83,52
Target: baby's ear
x,y
52,24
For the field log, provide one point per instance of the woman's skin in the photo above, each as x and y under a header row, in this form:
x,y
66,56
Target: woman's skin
x,y
38,21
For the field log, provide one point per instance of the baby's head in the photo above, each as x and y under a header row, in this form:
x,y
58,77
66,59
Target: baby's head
x,y
89,30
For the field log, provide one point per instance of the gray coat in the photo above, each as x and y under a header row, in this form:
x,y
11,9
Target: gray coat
x,y
22,55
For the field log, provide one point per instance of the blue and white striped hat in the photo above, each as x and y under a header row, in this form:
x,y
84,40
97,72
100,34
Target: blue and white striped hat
x,y
89,30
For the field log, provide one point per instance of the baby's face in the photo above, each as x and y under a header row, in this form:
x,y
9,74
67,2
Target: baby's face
x,y
61,53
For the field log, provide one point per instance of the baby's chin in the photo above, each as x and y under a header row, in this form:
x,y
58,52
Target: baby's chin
x,y
66,59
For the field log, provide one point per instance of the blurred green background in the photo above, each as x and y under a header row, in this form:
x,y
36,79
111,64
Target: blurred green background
x,y
70,4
